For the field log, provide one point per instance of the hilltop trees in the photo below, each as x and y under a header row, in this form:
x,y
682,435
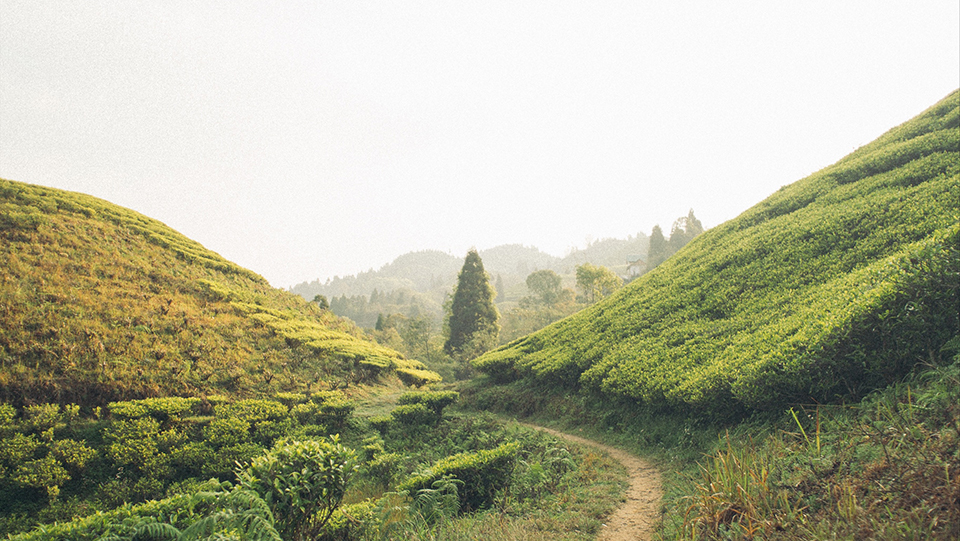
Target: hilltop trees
x,y
597,281
473,320
546,285
659,249
684,229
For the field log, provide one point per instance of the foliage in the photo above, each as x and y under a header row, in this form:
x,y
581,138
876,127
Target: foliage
x,y
546,285
303,482
886,469
161,409
481,472
472,325
597,282
835,285
411,415
215,511
34,456
435,400
81,465
659,248
352,522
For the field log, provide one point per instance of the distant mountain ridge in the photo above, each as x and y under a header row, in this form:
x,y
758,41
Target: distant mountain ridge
x,y
433,272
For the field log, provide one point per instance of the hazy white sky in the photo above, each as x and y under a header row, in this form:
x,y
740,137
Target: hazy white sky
x,y
308,139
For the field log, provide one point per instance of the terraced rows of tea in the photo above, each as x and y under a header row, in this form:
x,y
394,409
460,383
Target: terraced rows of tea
x,y
833,286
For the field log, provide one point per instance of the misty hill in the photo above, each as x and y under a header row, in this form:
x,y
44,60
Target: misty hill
x,y
835,285
417,283
100,303
612,253
428,271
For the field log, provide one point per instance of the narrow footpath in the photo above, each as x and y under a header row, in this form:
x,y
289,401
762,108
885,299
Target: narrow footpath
x,y
635,518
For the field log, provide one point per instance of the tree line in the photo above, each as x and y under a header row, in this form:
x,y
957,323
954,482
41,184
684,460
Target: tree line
x,y
472,324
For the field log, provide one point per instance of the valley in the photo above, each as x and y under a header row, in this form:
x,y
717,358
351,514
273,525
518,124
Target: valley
x,y
793,373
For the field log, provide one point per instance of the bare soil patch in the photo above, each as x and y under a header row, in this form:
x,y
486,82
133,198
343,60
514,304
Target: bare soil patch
x,y
636,518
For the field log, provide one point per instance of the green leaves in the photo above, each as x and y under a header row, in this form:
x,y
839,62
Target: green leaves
x,y
481,472
303,481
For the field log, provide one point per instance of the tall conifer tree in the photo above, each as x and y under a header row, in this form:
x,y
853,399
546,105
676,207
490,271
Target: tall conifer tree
x,y
473,321
659,249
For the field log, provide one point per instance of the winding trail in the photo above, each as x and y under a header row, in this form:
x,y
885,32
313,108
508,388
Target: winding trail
x,y
634,520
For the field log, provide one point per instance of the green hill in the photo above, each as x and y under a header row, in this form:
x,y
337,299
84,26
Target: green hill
x,y
100,303
835,285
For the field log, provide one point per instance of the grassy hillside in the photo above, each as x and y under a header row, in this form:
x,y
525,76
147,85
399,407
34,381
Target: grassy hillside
x,y
835,285
100,303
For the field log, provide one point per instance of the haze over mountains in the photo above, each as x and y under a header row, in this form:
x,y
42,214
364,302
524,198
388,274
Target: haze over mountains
x,y
430,270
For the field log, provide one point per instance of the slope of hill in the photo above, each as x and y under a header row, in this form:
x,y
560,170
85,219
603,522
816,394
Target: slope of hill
x,y
100,303
835,285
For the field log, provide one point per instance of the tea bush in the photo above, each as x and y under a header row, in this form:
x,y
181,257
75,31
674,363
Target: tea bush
x,y
162,409
435,400
33,456
482,473
412,415
302,481
216,511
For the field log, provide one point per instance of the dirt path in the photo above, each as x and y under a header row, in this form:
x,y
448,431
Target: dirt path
x,y
634,520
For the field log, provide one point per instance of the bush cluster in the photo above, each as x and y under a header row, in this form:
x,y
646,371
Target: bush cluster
x,y
258,469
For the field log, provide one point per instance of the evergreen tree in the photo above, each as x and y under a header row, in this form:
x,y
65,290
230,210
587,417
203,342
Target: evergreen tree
x,y
473,320
694,227
659,249
678,235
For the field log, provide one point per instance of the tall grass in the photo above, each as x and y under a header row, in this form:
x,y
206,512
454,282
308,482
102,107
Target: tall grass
x,y
887,468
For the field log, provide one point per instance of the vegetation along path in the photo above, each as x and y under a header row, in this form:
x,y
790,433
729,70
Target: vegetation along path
x,y
635,519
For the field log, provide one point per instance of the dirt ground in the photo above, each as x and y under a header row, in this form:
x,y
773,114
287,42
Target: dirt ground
x,y
634,520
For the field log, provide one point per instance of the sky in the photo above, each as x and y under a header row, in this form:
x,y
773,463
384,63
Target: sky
x,y
307,139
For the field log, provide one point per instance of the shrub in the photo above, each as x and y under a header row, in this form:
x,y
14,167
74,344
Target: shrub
x,y
384,467
133,442
215,511
267,420
416,377
41,417
163,410
482,473
302,481
290,399
436,401
42,473
381,423
414,415
334,413
354,521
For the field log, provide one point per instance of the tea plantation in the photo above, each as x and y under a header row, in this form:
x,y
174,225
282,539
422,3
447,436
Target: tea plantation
x,y
836,285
